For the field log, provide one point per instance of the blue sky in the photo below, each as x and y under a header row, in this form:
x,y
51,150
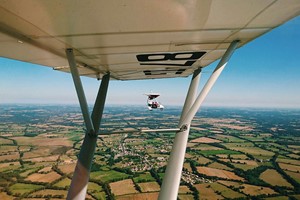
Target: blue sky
x,y
263,73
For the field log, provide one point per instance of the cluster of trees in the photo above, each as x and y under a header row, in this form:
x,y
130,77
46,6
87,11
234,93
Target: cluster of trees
x,y
155,175
194,190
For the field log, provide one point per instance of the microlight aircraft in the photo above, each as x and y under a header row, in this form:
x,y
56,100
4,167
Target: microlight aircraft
x,y
133,40
152,102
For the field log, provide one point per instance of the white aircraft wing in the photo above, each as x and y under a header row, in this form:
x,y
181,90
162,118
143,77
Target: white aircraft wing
x,y
134,39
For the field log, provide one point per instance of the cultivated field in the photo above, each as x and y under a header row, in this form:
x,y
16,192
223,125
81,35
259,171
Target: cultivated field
x,y
248,189
205,140
44,178
206,192
140,196
123,187
288,167
230,154
219,173
225,191
256,190
22,188
149,187
272,177
48,192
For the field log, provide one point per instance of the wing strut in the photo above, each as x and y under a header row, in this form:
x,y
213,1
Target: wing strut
x,y
81,175
171,181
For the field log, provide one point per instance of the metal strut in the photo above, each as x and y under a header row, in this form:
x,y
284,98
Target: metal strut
x,y
171,181
81,174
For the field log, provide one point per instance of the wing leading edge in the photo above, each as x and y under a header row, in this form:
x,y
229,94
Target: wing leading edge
x,y
134,39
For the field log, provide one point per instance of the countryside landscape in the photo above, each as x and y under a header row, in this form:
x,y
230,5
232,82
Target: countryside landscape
x,y
232,153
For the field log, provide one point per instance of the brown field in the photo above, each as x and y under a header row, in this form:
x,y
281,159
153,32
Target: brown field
x,y
186,197
5,141
253,151
50,192
288,167
45,169
7,149
140,196
44,198
187,155
187,166
218,166
149,187
256,190
230,183
294,156
44,178
206,192
205,140
191,144
28,171
222,155
238,156
43,159
43,140
11,156
24,148
294,146
67,168
278,198
4,196
242,164
272,177
228,138
252,190
7,164
216,131
288,161
33,154
294,175
219,173
40,151
183,189
244,167
202,160
204,147
198,128
246,162
123,187
236,127
9,168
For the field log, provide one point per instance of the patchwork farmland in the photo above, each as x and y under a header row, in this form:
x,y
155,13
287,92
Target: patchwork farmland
x,y
231,153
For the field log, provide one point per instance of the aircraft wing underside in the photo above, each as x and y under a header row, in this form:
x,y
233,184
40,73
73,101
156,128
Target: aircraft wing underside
x,y
134,39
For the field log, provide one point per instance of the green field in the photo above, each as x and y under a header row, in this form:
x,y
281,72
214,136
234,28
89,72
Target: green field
x,y
216,152
63,183
108,176
225,191
99,195
22,188
146,177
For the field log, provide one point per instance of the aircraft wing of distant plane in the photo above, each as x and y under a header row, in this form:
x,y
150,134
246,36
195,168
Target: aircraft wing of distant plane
x,y
134,39
131,40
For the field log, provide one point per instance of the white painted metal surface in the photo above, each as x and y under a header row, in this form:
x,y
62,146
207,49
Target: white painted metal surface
x,y
170,186
110,35
171,181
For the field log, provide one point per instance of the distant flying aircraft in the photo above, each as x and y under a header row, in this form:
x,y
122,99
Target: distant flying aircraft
x,y
133,40
152,103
